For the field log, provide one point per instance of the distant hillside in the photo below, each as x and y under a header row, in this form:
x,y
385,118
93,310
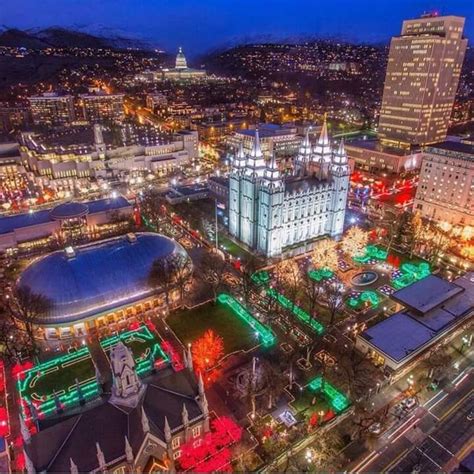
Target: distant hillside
x,y
67,38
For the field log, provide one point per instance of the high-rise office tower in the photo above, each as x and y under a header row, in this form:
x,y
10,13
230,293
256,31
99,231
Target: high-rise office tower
x,y
423,71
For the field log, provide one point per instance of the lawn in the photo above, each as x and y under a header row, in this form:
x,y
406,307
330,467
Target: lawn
x,y
39,384
145,347
191,324
307,403
235,250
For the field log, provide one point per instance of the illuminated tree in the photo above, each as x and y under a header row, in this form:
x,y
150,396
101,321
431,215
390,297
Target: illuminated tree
x,y
324,255
287,275
213,454
355,241
207,351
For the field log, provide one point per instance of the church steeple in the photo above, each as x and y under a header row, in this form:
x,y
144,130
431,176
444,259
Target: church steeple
x,y
127,386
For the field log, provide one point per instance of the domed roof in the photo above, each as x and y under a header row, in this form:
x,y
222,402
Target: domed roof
x,y
69,210
99,277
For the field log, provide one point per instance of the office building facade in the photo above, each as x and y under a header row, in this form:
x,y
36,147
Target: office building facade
x,y
422,77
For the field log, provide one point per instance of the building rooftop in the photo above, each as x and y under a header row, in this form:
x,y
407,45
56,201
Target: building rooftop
x,y
410,330
266,130
426,294
457,147
301,185
19,221
398,336
98,278
375,145
75,436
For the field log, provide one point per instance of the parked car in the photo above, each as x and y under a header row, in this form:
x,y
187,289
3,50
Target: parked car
x,y
409,403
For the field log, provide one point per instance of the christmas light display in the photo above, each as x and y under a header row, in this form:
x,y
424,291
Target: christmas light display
x,y
320,274
411,272
59,383
363,299
355,242
324,256
301,314
263,278
4,419
338,401
264,333
212,453
147,352
207,351
372,255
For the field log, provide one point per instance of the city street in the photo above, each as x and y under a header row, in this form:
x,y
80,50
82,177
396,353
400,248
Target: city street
x,y
434,437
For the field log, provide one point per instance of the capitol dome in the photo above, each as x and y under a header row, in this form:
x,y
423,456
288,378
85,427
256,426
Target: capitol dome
x,y
96,277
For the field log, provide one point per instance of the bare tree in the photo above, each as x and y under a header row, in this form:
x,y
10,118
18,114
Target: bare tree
x,y
29,307
151,207
288,273
182,270
14,341
213,267
162,277
246,282
353,373
312,289
333,293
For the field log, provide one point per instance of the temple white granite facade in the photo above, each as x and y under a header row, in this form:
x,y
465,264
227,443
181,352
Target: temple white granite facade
x,y
269,212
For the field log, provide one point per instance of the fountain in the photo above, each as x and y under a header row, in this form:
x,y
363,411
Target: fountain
x,y
364,278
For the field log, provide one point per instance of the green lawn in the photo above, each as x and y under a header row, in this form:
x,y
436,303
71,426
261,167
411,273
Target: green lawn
x,y
191,324
59,375
234,249
304,406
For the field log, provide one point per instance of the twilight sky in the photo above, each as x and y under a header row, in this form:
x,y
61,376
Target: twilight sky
x,y
205,24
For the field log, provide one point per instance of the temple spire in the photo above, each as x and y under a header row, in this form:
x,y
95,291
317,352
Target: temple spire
x,y
340,156
240,158
272,173
256,163
323,137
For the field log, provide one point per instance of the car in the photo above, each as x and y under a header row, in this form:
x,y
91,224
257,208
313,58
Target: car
x,y
470,415
409,403
375,428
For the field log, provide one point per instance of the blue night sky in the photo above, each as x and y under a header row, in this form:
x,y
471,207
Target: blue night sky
x,y
202,25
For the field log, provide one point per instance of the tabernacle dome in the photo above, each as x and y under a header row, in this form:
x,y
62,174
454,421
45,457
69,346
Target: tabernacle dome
x,y
86,281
